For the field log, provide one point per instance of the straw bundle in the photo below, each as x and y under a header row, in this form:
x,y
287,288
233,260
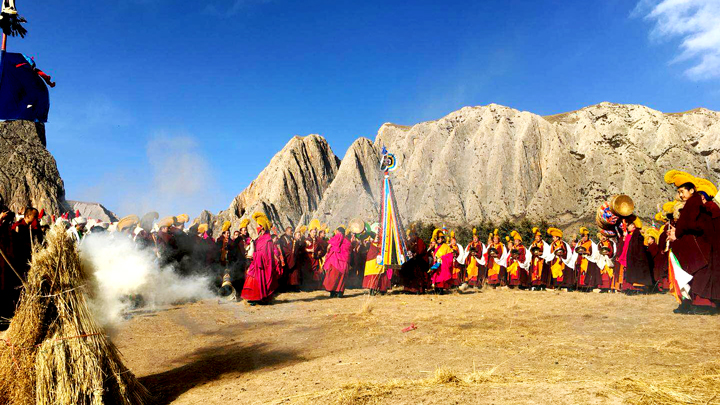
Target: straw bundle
x,y
54,351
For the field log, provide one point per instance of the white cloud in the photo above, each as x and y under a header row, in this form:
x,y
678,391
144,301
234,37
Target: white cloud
x,y
696,23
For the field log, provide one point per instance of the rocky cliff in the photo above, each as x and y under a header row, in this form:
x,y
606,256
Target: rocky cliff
x,y
28,172
290,187
492,163
91,210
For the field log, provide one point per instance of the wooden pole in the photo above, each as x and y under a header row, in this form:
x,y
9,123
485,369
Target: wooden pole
x,y
4,43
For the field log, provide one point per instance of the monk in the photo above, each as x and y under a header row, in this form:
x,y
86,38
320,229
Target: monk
x,y
606,263
517,275
311,271
414,272
540,276
658,253
375,278
588,273
562,276
693,241
264,271
336,263
290,247
442,258
496,273
636,264
475,247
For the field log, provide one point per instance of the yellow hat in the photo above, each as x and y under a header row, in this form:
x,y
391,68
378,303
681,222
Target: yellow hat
x,y
314,224
437,233
129,221
660,217
678,178
638,223
584,231
226,226
166,222
669,206
706,186
474,232
555,232
507,239
516,235
536,231
244,223
495,232
202,228
302,229
652,232
452,234
182,219
599,235
262,220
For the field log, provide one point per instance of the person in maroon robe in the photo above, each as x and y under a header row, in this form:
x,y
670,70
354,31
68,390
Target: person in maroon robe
x,y
290,247
414,272
9,281
311,271
659,255
336,263
694,242
262,276
637,275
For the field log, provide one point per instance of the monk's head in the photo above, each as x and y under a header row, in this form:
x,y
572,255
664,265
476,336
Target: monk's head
x,y
298,235
313,233
686,191
631,227
651,240
30,215
288,231
236,234
226,234
476,239
244,231
496,238
322,234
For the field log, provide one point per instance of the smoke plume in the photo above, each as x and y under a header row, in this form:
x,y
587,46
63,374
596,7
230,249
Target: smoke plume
x,y
128,276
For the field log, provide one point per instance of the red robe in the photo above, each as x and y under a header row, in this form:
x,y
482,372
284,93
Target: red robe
x,y
262,276
337,263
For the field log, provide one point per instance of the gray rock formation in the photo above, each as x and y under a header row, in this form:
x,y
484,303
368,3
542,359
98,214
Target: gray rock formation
x,y
289,187
493,163
28,172
91,210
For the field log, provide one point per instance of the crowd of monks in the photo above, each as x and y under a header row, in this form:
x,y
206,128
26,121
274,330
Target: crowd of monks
x,y
629,258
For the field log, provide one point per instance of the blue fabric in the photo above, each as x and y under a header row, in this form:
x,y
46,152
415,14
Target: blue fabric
x,y
23,94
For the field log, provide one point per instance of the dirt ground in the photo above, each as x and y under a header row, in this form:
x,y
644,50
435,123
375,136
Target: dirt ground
x,y
488,347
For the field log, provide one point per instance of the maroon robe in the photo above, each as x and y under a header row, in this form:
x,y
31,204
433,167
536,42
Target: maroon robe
x,y
694,248
262,276
337,263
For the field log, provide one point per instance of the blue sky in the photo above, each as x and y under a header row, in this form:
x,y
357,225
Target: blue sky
x,y
172,106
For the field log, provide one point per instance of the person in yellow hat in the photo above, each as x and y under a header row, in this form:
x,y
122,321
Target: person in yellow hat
x,y
496,270
606,262
517,276
315,249
659,256
540,277
475,276
587,272
443,262
562,276
262,276
695,242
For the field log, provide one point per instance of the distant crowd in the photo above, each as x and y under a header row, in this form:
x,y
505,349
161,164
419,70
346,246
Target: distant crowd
x,y
679,253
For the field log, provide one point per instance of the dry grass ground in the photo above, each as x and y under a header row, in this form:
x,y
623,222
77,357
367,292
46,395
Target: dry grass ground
x,y
494,346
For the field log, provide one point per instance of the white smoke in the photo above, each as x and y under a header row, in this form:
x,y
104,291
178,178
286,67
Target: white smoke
x,y
123,271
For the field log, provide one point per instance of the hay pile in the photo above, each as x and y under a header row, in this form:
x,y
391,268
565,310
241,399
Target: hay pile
x,y
54,351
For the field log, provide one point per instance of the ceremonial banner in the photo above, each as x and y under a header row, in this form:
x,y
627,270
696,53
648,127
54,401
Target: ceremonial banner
x,y
393,250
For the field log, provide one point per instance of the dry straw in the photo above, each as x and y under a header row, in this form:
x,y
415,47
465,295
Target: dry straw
x,y
54,351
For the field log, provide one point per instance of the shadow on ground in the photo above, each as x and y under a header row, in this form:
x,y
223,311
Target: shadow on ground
x,y
210,364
